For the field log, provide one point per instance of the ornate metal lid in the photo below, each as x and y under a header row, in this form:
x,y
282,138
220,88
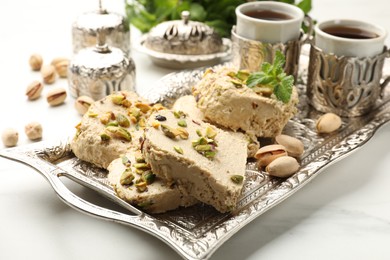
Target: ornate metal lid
x,y
184,37
85,29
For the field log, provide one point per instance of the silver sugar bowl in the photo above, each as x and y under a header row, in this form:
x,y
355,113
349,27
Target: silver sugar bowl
x,y
183,37
85,30
101,70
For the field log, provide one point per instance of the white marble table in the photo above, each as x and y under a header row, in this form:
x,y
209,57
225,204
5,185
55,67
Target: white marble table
x,y
342,214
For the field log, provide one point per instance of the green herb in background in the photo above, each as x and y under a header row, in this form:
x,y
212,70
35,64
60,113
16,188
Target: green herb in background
x,y
219,14
273,77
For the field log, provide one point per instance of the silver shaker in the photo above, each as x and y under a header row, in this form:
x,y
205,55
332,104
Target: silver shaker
x,y
101,70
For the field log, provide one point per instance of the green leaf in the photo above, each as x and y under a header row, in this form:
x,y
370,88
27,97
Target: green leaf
x,y
283,90
197,12
272,76
305,5
279,60
254,79
266,67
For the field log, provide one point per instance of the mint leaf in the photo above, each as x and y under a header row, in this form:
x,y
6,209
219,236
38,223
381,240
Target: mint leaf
x,y
266,67
272,76
279,61
283,90
253,79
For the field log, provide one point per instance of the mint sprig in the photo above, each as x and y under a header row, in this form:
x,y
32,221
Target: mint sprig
x,y
273,77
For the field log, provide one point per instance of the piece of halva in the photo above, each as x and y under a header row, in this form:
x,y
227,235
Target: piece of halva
x,y
111,127
134,182
230,103
204,161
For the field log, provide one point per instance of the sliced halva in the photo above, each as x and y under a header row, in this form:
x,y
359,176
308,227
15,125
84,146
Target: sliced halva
x,y
187,104
229,103
204,161
134,182
111,127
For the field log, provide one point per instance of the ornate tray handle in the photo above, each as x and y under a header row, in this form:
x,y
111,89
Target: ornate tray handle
x,y
39,161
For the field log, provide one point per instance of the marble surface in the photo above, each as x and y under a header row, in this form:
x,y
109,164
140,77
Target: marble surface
x,y
342,214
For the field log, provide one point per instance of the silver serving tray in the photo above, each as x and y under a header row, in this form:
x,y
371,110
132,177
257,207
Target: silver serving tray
x,y
196,232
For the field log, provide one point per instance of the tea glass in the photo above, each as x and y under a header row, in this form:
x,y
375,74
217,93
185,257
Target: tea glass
x,y
256,40
345,74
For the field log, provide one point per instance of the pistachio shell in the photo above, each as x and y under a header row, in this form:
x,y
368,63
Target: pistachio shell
x,y
34,90
48,73
294,146
284,166
266,154
82,104
328,123
33,130
10,137
35,61
56,96
62,68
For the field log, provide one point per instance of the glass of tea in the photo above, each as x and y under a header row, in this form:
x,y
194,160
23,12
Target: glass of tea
x,y
350,38
345,67
269,22
265,27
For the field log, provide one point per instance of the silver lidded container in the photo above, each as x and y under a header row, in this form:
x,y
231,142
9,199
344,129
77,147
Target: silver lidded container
x,y
101,70
180,44
183,37
87,25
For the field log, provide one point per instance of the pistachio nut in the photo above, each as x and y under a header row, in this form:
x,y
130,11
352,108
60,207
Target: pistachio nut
x,y
62,68
182,133
34,90
126,161
210,132
127,177
107,117
148,177
178,149
284,166
35,61
169,131
143,107
117,99
328,123
237,179
182,123
82,104
58,60
141,185
122,120
48,73
119,132
10,137
33,130
294,146
266,154
56,96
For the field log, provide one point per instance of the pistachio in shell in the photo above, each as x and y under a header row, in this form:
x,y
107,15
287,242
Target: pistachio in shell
x,y
294,146
328,123
266,154
283,167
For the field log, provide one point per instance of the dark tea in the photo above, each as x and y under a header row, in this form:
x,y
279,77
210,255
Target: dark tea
x,y
349,32
268,15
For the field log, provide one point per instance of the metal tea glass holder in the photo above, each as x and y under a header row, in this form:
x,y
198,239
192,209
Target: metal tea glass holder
x,y
346,86
250,54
